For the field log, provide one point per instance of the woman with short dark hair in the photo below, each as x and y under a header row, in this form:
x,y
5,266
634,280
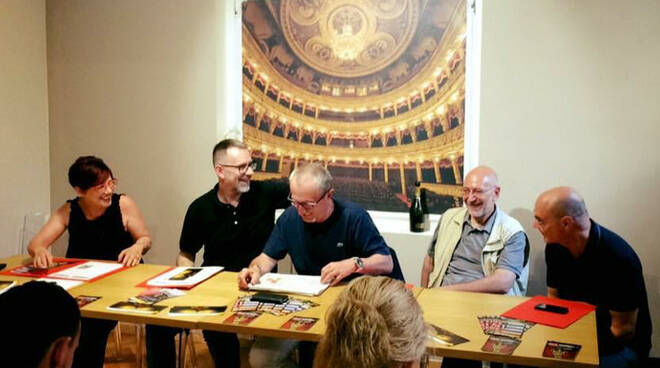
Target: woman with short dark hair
x,y
102,225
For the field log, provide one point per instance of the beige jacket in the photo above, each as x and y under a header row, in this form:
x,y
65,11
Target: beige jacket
x,y
449,234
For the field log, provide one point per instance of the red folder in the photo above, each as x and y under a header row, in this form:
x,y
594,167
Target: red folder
x,y
59,264
28,270
526,311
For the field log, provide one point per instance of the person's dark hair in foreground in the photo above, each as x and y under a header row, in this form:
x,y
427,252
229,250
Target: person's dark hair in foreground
x,y
41,326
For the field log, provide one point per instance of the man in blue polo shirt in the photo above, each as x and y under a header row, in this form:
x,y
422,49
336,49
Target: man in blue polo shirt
x,y
324,236
587,262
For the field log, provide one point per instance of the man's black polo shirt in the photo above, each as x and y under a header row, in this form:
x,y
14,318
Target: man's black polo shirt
x,y
608,275
232,236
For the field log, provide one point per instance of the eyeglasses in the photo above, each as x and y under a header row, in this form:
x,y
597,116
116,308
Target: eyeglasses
x,y
243,168
477,192
108,184
307,206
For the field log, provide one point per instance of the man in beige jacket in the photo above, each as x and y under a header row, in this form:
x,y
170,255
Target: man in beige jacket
x,y
478,247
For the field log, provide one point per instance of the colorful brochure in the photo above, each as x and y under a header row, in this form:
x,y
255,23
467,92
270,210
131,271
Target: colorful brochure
x,y
298,323
182,277
128,306
241,318
197,310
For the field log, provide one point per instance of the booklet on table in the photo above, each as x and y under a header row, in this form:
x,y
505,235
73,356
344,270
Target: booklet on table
x,y
183,277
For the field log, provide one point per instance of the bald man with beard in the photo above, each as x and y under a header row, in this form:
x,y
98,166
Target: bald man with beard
x,y
589,263
478,247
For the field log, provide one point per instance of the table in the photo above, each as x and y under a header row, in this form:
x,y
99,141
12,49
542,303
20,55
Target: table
x,y
451,310
458,311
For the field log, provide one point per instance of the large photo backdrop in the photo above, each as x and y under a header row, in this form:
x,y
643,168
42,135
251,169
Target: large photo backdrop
x,y
375,90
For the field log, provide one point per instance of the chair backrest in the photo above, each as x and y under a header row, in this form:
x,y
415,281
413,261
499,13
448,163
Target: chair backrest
x,y
32,223
397,273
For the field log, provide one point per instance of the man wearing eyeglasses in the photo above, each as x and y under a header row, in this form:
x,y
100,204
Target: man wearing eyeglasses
x,y
232,222
478,247
324,236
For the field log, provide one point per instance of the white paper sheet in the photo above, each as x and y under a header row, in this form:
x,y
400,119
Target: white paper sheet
x,y
86,271
287,283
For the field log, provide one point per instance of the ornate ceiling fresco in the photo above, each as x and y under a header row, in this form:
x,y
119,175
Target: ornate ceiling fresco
x,y
374,89
348,48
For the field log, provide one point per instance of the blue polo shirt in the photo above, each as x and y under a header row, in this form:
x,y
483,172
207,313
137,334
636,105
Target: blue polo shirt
x,y
608,275
348,232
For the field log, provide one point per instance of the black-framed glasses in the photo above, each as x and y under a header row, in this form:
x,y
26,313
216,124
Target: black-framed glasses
x,y
243,168
307,206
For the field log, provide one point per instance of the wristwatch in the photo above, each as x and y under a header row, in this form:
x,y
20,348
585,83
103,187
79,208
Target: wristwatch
x,y
358,263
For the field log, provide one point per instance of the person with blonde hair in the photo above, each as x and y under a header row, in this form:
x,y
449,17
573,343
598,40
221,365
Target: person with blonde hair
x,y
375,322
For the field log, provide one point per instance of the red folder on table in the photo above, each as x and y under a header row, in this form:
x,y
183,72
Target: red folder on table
x,y
69,269
526,311
28,270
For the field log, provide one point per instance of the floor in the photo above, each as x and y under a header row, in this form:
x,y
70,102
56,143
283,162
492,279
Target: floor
x,y
126,357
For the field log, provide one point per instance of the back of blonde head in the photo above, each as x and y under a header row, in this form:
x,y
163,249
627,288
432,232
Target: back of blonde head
x,y
375,322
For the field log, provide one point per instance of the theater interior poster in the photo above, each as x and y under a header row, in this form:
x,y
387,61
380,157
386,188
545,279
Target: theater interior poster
x,y
372,89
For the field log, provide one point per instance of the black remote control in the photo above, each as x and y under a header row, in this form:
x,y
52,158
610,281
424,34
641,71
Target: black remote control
x,y
269,298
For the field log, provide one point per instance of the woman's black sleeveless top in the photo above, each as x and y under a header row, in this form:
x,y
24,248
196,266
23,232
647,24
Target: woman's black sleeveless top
x,y
101,238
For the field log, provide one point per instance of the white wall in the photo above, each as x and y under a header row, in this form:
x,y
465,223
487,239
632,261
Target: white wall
x,y
570,97
23,118
134,83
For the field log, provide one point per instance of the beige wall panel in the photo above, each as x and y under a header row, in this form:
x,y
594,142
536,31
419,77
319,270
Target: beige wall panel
x,y
134,83
24,166
570,97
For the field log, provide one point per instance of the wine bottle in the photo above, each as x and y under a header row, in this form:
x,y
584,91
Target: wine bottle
x,y
416,211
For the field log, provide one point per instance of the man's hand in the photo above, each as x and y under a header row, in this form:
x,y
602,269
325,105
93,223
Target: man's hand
x,y
131,256
42,258
334,272
249,276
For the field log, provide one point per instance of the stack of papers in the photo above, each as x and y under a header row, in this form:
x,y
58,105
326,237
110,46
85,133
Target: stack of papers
x,y
294,284
245,304
183,277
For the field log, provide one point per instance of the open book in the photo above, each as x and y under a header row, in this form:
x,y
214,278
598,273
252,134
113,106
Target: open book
x,y
294,284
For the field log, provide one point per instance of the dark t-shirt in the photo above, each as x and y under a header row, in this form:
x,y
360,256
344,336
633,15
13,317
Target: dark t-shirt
x,y
608,275
232,236
348,232
102,238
